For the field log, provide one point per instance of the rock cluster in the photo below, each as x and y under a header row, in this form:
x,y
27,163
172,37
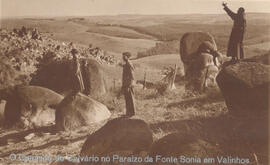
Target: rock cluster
x,y
201,59
26,49
101,55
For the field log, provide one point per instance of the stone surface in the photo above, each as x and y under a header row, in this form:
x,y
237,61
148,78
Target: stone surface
x,y
190,43
179,144
59,76
121,136
202,72
193,48
78,110
245,87
26,103
94,79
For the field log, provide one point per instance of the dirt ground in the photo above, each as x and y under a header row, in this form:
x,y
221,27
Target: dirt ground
x,y
204,115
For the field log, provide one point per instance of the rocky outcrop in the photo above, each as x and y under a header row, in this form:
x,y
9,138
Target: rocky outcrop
x,y
55,75
59,76
78,110
190,42
245,87
184,147
121,136
26,104
93,77
197,52
26,50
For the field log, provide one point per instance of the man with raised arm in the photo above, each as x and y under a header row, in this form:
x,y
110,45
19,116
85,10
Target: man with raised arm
x,y
235,47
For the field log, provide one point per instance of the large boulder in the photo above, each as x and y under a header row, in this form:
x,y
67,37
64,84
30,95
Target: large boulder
x,y
202,72
78,110
55,75
196,59
121,136
189,149
58,76
29,105
245,87
191,41
94,78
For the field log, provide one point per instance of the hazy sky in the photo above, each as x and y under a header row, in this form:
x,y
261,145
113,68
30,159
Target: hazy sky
x,y
11,8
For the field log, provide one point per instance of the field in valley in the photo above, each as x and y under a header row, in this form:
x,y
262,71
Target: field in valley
x,y
137,33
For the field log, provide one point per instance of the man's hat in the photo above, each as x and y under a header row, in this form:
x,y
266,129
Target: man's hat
x,y
127,54
74,51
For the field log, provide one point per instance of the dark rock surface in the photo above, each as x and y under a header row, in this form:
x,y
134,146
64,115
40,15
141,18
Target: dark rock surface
x,y
245,87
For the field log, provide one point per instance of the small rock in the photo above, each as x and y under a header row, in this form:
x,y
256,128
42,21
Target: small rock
x,y
29,136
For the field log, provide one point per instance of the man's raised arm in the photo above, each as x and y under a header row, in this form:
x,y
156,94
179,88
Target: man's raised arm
x,y
228,11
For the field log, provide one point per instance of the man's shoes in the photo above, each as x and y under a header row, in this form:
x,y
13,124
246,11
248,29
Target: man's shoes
x,y
130,115
233,61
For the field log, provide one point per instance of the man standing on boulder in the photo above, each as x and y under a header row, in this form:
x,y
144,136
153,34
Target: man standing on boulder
x,y
127,85
78,80
235,47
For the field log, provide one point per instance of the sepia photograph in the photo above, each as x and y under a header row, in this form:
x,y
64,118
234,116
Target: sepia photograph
x,y
134,82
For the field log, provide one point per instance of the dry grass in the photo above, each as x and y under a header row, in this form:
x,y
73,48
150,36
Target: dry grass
x,y
202,115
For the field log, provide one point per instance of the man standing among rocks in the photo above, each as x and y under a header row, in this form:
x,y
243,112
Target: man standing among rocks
x,y
78,80
235,47
207,47
127,85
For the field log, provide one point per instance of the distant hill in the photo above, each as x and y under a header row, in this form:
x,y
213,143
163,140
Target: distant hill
x,y
140,33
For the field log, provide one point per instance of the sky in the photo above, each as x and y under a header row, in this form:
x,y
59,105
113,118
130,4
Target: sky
x,y
21,8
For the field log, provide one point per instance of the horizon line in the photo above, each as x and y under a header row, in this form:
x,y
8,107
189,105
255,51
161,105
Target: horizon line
x,y
115,15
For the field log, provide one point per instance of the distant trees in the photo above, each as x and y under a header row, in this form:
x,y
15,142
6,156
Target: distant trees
x,y
168,47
